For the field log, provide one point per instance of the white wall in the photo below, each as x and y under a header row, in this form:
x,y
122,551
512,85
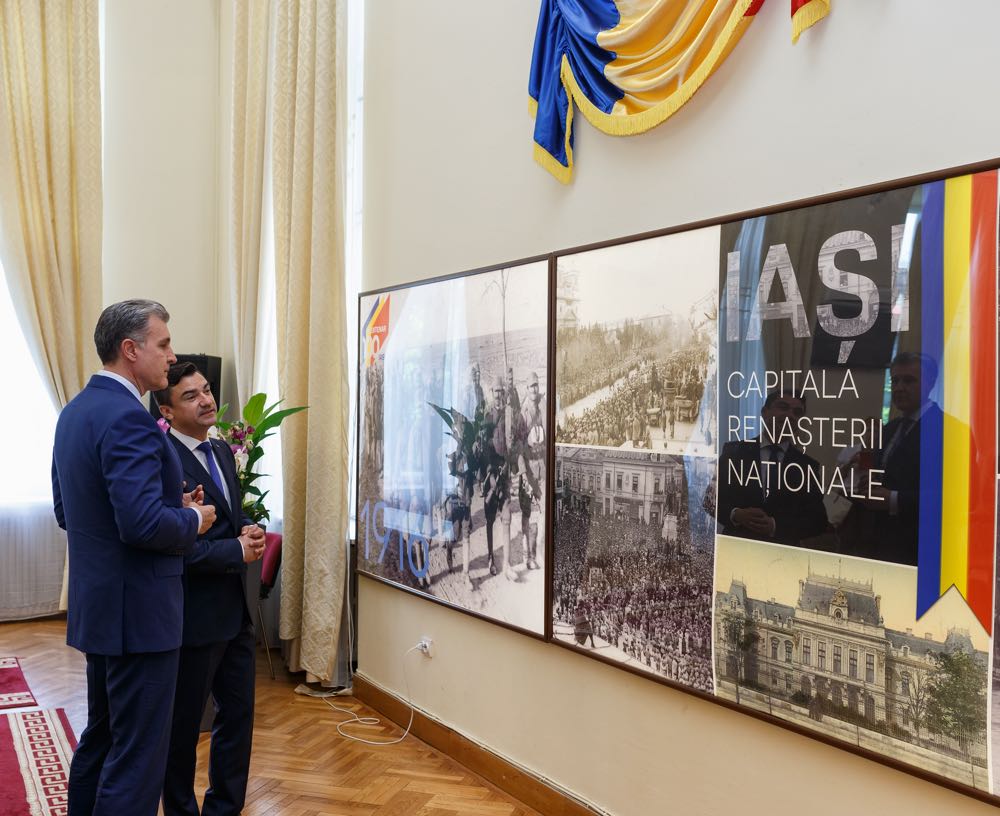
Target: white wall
x,y
877,91
161,164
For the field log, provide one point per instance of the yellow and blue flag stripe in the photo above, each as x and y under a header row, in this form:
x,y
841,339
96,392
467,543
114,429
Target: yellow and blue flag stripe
x,y
630,64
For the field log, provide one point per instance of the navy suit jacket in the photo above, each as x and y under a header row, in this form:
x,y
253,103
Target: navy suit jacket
x,y
214,570
116,485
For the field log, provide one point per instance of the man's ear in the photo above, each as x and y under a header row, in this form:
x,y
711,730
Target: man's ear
x,y
128,349
167,413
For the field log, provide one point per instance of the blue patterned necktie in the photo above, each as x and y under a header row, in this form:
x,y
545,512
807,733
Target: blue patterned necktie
x,y
206,448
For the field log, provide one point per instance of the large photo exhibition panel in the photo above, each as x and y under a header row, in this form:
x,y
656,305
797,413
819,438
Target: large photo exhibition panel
x,y
854,563
452,441
843,415
635,379
774,453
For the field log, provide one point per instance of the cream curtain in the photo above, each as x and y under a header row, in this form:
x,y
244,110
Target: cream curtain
x,y
251,40
311,318
50,182
50,185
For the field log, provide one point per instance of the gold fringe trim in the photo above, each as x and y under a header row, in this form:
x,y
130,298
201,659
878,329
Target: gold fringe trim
x,y
563,174
532,107
548,161
808,16
619,125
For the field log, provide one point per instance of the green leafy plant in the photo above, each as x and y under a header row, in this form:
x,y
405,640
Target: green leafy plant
x,y
244,437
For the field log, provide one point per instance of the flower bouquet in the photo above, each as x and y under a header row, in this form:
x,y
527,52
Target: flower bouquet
x,y
244,437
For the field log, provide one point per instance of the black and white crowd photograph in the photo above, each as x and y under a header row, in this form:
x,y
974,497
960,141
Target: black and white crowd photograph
x,y
632,560
453,439
636,345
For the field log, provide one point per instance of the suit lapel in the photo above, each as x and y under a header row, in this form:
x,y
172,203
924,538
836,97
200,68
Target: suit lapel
x,y
225,459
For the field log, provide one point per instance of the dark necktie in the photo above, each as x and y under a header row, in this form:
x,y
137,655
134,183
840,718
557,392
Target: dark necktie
x,y
769,453
206,448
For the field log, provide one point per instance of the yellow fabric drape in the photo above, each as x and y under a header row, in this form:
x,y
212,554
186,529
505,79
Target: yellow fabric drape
x,y
807,15
50,183
665,50
50,186
657,56
311,317
251,39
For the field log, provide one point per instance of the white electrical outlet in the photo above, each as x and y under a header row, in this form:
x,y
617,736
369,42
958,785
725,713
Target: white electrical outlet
x,y
426,646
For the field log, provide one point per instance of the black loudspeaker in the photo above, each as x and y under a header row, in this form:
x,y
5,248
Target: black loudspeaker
x,y
210,367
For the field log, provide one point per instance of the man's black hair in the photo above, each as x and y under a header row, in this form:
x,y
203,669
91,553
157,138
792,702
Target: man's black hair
x,y
176,373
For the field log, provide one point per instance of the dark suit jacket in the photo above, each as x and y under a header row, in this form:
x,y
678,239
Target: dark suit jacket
x,y
902,466
214,592
797,515
875,533
116,485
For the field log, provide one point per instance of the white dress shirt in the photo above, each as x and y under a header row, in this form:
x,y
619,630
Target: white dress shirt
x,y
119,378
192,445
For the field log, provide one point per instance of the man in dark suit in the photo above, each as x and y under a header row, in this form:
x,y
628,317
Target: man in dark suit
x,y
217,655
117,488
887,525
765,508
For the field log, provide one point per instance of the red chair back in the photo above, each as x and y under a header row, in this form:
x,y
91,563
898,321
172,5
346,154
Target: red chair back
x,y
271,563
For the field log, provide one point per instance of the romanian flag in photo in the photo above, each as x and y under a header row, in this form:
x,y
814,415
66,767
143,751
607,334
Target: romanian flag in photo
x,y
376,329
630,64
958,459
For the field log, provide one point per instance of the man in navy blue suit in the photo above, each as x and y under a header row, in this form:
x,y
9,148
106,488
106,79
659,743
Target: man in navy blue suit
x,y
118,492
217,655
886,527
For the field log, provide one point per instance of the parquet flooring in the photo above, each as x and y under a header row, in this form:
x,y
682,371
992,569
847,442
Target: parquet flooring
x,y
301,765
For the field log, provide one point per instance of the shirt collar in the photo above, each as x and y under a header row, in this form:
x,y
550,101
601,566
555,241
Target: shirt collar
x,y
189,441
119,378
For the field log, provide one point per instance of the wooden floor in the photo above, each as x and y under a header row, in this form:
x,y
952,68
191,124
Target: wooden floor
x,y
301,766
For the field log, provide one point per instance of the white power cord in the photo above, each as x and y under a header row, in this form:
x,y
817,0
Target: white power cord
x,y
355,719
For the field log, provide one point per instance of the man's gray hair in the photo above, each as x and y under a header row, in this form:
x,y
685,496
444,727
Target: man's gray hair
x,y
128,319
928,366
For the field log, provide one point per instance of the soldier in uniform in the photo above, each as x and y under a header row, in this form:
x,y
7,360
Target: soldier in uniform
x,y
506,442
458,504
473,399
530,492
512,398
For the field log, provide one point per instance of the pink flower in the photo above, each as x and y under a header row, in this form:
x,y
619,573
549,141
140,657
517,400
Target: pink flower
x,y
164,425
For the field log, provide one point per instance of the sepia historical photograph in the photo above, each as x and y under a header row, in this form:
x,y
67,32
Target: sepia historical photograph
x,y
636,345
832,644
632,560
452,440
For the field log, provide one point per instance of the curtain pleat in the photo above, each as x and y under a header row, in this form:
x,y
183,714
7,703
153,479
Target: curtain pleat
x,y
307,173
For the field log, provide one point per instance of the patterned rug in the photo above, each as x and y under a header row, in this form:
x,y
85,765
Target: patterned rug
x,y
35,750
14,691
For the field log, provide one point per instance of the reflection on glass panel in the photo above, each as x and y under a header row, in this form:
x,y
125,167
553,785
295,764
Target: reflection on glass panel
x,y
453,438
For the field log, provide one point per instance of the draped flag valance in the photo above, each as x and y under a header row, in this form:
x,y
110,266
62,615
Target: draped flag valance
x,y
630,64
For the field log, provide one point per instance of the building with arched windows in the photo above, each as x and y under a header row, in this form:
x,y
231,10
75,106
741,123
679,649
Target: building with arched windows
x,y
831,663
